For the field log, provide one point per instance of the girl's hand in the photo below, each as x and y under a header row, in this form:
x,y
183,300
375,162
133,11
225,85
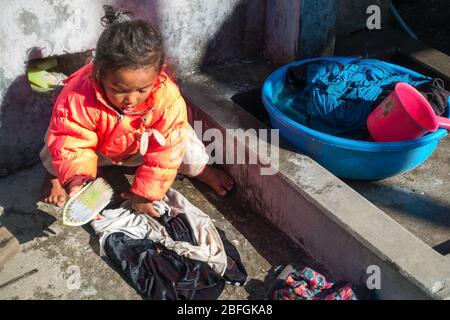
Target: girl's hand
x,y
141,205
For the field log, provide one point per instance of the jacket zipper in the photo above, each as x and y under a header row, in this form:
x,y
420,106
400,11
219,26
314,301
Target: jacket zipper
x,y
119,116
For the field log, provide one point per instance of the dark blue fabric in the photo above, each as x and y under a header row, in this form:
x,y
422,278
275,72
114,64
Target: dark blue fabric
x,y
337,98
158,273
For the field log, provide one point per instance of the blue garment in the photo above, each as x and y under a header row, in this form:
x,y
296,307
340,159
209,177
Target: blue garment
x,y
338,98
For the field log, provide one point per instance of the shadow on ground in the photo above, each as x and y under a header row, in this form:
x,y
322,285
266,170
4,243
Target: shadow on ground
x,y
268,241
26,226
405,201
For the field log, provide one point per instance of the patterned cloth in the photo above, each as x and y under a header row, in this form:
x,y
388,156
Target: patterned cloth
x,y
311,285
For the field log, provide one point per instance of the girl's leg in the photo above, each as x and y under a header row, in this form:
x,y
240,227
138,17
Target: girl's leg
x,y
52,191
195,164
217,179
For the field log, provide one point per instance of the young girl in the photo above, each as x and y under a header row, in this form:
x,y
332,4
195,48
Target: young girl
x,y
123,109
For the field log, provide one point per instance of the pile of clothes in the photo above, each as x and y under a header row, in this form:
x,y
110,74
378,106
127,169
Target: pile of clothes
x,y
337,98
178,256
311,285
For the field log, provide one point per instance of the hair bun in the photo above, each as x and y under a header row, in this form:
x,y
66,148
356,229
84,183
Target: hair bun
x,y
114,16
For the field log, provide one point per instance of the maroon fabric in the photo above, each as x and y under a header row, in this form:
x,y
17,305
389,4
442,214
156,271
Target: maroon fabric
x,y
76,181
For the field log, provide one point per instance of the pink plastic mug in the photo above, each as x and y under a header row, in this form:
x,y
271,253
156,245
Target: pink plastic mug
x,y
404,115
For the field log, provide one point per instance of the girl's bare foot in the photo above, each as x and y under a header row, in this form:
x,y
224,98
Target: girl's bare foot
x,y
52,191
217,179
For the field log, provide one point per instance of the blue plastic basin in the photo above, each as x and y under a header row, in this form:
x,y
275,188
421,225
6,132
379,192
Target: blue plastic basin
x,y
346,158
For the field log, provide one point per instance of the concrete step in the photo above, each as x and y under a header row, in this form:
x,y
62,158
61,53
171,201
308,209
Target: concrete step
x,y
430,58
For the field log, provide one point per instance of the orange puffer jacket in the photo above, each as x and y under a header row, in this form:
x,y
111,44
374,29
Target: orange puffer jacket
x,y
83,124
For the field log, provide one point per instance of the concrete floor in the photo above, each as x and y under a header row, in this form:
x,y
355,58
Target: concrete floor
x,y
419,200
57,250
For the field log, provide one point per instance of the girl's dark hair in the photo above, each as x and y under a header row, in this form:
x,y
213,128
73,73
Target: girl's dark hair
x,y
127,44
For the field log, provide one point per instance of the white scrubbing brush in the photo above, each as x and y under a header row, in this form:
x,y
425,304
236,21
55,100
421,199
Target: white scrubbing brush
x,y
87,203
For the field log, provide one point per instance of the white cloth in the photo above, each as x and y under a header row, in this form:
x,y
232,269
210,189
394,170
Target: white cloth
x,y
210,248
